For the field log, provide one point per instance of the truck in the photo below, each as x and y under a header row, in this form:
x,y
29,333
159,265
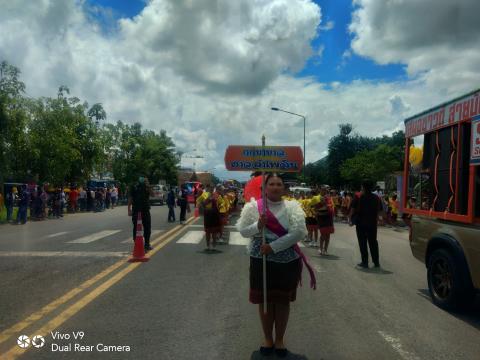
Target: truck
x,y
441,194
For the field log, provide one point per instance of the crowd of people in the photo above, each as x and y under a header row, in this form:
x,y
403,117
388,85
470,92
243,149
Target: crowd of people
x,y
216,206
45,202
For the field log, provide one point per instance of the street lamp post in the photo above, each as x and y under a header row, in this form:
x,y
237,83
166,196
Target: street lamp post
x,y
304,120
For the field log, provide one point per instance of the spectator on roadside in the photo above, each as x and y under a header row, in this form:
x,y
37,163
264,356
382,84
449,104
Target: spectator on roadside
x,y
388,209
62,201
108,198
9,203
98,200
171,205
183,203
411,204
44,196
82,199
56,203
114,196
22,206
73,198
2,202
364,215
394,207
36,213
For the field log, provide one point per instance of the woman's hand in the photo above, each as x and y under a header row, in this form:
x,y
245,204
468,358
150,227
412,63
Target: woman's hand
x,y
266,249
262,220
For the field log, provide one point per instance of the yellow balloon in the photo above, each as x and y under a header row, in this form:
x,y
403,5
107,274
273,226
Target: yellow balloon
x,y
416,156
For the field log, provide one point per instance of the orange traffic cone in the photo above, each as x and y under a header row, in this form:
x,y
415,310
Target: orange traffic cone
x,y
139,249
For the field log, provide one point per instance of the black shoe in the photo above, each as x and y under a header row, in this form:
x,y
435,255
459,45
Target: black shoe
x,y
266,351
148,248
281,353
377,265
362,265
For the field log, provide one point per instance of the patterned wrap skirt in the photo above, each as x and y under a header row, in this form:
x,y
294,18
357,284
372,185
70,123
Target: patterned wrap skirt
x,y
325,223
282,281
211,221
311,223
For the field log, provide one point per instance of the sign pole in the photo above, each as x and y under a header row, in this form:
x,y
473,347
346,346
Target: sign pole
x,y
264,257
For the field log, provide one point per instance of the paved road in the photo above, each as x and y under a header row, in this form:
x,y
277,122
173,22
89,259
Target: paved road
x,y
187,304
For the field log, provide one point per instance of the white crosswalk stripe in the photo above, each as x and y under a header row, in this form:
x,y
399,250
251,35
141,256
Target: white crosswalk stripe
x,y
94,237
57,234
191,237
237,239
196,236
227,227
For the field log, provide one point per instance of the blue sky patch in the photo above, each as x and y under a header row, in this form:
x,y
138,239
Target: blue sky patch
x,y
333,60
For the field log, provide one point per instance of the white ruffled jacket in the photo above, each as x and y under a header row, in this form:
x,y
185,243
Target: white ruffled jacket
x,y
294,222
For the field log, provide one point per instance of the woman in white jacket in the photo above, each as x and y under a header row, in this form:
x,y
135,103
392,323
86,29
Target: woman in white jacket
x,y
284,226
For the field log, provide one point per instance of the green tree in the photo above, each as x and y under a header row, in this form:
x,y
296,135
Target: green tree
x,y
342,147
14,154
135,152
97,112
64,139
371,165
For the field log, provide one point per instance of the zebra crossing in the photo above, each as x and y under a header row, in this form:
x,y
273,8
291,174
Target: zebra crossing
x,y
194,237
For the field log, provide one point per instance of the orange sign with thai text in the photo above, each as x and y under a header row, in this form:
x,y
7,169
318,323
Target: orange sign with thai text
x,y
268,158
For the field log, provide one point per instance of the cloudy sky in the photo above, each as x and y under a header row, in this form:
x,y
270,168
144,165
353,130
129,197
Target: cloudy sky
x,y
208,71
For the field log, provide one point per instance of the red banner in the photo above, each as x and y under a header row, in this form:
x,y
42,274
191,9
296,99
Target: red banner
x,y
448,114
268,158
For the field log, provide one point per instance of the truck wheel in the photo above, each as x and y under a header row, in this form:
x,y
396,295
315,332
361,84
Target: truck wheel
x,y
448,281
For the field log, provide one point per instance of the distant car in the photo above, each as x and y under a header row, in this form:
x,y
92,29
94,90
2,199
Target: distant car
x,y
159,194
300,189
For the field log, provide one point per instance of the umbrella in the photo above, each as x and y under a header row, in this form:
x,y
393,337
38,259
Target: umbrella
x,y
253,189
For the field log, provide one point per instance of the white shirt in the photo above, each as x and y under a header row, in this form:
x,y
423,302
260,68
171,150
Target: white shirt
x,y
295,234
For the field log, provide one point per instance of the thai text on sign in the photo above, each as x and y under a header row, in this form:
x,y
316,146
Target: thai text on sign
x,y
475,150
268,158
444,115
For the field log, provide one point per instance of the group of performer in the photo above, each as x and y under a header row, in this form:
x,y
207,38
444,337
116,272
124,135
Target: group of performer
x,y
319,208
288,219
216,206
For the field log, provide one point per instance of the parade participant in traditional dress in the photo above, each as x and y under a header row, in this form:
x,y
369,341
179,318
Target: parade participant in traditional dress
x,y
313,203
223,204
284,226
310,220
325,221
335,201
211,217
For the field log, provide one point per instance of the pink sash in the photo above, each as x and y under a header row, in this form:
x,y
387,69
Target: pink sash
x,y
275,227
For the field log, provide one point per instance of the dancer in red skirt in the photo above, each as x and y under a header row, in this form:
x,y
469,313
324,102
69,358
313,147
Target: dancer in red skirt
x,y
325,213
284,226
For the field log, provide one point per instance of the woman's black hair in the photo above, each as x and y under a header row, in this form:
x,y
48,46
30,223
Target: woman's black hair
x,y
273,174
368,186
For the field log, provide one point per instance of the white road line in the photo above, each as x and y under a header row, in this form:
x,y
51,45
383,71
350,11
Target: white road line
x,y
191,237
237,239
63,253
228,227
94,237
318,268
398,347
57,234
129,240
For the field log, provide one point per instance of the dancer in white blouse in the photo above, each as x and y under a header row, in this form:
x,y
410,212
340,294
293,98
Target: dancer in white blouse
x,y
284,226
